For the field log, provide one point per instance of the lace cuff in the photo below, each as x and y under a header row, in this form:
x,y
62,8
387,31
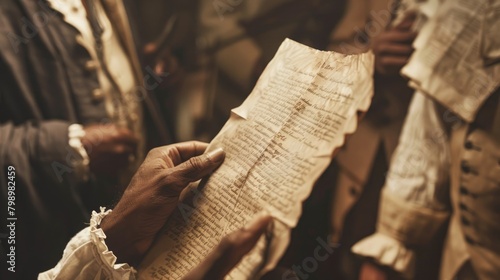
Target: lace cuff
x,y
401,225
81,162
388,252
87,257
107,257
407,222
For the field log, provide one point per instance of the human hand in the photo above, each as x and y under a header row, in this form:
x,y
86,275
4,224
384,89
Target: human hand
x,y
108,148
370,271
230,251
165,65
153,195
393,47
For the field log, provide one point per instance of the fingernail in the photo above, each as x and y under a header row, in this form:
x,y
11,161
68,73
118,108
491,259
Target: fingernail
x,y
216,155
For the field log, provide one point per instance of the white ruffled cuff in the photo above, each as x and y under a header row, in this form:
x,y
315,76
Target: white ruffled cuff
x,y
80,163
387,251
401,225
87,257
120,271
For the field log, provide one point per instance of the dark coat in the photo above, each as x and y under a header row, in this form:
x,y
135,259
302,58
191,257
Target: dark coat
x,y
42,74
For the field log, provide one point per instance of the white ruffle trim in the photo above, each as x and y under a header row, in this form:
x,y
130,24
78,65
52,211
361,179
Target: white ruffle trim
x,y
107,257
388,252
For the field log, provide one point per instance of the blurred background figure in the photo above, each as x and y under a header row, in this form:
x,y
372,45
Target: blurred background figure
x,y
167,31
234,42
76,118
188,63
239,38
444,172
343,206
363,164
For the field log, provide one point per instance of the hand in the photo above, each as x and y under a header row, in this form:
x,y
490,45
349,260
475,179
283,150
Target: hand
x,y
165,66
370,271
109,148
393,47
230,251
153,195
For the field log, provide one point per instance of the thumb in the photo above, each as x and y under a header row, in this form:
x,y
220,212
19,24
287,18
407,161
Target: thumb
x,y
196,168
230,251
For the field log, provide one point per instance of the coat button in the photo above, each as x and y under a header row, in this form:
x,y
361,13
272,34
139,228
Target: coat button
x,y
469,240
463,207
464,191
91,65
465,221
97,95
468,145
353,191
465,167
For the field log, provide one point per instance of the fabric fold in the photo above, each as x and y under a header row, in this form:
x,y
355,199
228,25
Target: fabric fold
x,y
387,251
87,256
98,237
402,225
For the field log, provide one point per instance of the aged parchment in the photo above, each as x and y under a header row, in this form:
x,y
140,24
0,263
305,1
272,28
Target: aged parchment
x,y
277,143
456,56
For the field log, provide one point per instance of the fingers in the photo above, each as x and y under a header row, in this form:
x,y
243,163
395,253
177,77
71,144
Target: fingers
x,y
109,135
126,136
198,167
193,169
176,154
396,36
394,62
230,251
393,48
190,149
125,143
396,49
121,149
407,21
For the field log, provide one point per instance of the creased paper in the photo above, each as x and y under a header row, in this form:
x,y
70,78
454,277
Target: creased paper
x,y
456,56
277,144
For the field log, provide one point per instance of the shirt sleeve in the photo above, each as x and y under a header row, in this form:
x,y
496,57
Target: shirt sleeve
x,y
414,203
81,162
87,257
219,24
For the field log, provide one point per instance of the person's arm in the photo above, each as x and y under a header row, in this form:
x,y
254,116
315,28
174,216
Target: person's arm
x,y
87,256
393,47
219,23
35,146
44,148
116,240
414,204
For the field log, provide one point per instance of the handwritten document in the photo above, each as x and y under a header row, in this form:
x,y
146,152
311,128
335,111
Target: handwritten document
x,y
456,58
277,143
